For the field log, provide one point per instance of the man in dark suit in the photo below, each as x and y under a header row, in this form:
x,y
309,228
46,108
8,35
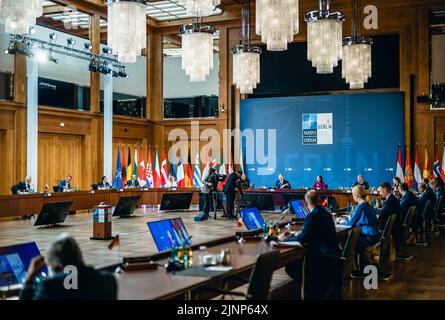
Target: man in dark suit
x,y
62,256
318,234
391,205
426,194
407,200
282,183
361,182
230,189
65,185
133,183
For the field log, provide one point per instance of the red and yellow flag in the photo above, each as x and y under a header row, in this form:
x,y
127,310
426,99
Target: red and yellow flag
x,y
114,243
408,168
426,166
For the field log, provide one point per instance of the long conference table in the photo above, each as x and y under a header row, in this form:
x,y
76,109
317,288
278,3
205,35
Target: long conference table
x,y
159,284
26,204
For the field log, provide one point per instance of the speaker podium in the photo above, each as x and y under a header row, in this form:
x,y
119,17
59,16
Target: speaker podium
x,y
102,222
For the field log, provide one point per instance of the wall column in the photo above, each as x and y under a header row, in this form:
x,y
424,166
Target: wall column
x,y
32,71
108,125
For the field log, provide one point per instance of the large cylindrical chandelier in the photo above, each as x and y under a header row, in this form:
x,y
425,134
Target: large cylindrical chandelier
x,y
356,62
127,26
277,22
246,58
200,8
197,50
19,16
324,38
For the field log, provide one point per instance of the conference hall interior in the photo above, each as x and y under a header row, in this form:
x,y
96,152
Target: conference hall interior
x,y
222,150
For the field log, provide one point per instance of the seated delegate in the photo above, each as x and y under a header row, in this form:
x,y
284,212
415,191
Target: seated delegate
x,y
282,183
319,184
133,183
65,185
103,184
63,252
318,234
361,182
364,217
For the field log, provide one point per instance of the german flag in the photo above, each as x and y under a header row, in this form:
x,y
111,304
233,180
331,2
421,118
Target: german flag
x,y
114,243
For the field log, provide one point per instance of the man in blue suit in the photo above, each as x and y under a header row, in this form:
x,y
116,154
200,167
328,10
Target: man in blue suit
x,y
318,234
65,185
407,200
426,194
230,189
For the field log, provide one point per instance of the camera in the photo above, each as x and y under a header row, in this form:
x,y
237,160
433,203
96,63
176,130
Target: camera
x,y
222,177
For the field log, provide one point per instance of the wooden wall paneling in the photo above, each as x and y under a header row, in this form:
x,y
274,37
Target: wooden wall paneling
x,y
19,78
94,35
7,149
154,75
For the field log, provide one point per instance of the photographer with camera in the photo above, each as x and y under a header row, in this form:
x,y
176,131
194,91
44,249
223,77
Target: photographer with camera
x,y
231,188
210,185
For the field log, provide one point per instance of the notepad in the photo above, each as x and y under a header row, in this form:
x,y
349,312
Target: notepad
x,y
286,244
219,268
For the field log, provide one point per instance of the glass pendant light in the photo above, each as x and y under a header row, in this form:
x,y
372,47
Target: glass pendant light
x,y
246,58
200,8
19,16
127,25
356,53
324,37
197,50
277,22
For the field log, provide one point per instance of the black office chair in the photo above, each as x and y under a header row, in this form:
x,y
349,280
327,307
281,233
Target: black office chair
x,y
406,232
439,219
347,255
421,231
94,186
57,189
383,247
260,278
434,227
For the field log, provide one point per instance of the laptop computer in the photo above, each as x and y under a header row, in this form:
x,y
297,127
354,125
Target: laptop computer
x,y
169,232
252,218
300,209
14,263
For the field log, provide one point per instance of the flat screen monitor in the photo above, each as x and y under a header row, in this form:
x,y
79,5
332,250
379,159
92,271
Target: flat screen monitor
x,y
14,263
252,218
53,213
288,197
333,204
176,201
126,206
262,201
169,232
300,208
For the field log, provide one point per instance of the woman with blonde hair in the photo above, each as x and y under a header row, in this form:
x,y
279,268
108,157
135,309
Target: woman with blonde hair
x,y
364,217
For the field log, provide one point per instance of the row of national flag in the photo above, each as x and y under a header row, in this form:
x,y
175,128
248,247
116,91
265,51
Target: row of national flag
x,y
413,178
156,174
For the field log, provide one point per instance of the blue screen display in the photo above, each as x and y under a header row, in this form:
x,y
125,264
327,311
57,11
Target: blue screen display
x,y
299,208
167,233
14,262
252,218
363,137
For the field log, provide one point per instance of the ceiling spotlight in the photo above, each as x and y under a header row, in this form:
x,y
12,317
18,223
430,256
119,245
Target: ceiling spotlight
x,y
88,46
52,58
93,66
32,30
71,42
122,73
41,55
107,50
104,69
10,49
115,74
52,37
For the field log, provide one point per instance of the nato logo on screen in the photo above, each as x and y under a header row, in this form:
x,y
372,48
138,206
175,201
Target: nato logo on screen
x,y
317,128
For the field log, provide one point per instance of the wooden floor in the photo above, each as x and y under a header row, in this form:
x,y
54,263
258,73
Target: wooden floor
x,y
423,278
